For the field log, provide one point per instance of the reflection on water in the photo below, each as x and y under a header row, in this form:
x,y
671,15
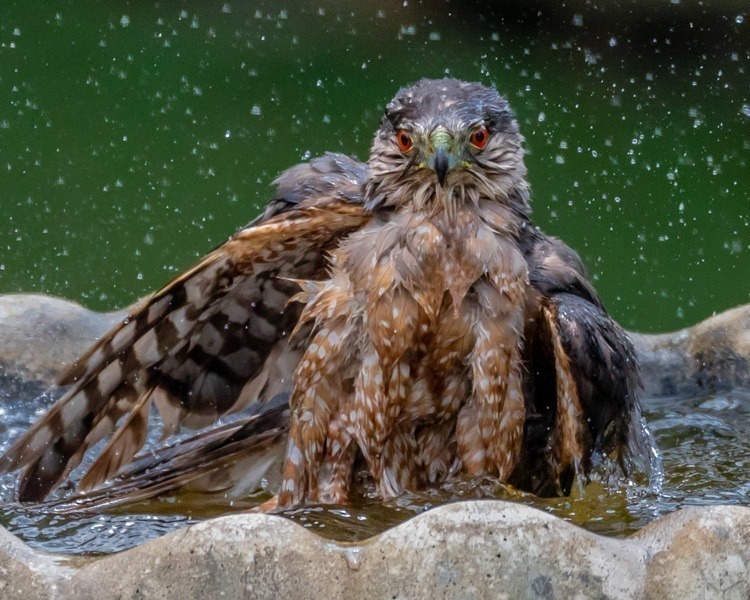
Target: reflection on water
x,y
703,444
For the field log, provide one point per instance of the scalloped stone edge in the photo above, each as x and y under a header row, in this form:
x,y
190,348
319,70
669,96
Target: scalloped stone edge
x,y
476,549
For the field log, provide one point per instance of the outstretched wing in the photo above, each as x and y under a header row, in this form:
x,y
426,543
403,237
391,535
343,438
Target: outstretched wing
x,y
228,463
213,340
599,358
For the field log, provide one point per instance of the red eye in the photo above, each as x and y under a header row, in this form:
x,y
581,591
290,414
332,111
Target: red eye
x,y
479,137
404,140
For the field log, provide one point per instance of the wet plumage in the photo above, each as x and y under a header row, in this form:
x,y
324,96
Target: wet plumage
x,y
401,316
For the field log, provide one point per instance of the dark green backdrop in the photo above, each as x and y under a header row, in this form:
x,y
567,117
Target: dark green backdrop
x,y
136,136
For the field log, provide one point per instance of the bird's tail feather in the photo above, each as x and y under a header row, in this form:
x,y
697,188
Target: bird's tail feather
x,y
235,456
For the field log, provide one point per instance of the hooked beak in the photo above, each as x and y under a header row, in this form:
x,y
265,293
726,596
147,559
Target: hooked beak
x,y
440,164
441,157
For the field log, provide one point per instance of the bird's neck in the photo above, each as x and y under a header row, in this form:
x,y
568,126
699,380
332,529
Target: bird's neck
x,y
431,200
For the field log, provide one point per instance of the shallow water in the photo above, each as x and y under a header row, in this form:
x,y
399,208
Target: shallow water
x,y
703,443
134,137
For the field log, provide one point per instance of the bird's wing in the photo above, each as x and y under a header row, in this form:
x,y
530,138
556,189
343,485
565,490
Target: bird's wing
x,y
600,356
225,465
213,340
331,175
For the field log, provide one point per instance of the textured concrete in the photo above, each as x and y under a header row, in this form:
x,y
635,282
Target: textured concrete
x,y
39,335
481,549
29,575
710,356
698,553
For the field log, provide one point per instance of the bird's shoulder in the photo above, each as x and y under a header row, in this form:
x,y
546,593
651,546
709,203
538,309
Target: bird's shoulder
x,y
331,176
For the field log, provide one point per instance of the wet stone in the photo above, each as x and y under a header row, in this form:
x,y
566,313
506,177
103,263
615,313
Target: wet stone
x,y
480,549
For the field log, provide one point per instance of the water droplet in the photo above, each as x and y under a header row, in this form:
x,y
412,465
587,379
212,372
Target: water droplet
x,y
353,558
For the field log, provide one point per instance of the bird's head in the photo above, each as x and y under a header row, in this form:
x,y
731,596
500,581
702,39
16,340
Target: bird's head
x,y
443,142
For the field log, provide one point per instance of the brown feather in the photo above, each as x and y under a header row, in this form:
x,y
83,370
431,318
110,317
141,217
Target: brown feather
x,y
122,446
417,320
229,461
567,442
170,342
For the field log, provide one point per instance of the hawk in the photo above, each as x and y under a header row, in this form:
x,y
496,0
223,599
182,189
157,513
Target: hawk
x,y
401,317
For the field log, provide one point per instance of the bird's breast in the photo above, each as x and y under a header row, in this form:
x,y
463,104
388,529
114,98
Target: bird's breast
x,y
418,279
427,256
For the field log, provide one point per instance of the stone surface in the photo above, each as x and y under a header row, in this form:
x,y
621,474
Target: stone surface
x,y
479,549
39,335
27,574
698,553
710,356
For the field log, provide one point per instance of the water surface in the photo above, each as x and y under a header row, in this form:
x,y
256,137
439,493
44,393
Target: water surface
x,y
702,442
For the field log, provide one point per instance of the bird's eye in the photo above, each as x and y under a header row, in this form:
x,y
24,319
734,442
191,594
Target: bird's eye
x,y
479,137
404,140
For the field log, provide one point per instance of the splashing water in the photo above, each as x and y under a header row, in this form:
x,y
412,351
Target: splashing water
x,y
702,460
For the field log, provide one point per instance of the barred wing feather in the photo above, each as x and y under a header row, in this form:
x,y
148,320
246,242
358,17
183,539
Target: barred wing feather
x,y
213,340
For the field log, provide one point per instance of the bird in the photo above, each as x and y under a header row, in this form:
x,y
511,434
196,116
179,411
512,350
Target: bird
x,y
401,318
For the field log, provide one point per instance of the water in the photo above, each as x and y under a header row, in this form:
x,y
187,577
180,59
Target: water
x,y
703,444
136,136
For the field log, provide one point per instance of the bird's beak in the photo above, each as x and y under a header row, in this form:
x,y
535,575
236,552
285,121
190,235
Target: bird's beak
x,y
441,156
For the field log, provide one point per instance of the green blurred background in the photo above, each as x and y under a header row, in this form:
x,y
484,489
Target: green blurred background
x,y
136,136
